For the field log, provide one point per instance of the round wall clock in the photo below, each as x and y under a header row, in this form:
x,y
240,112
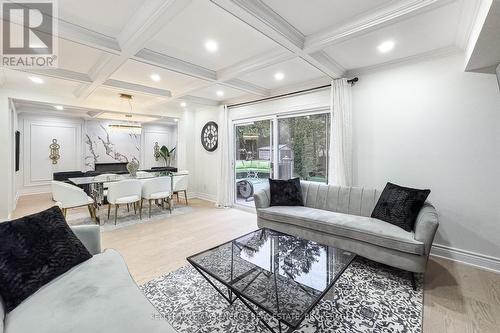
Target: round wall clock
x,y
210,136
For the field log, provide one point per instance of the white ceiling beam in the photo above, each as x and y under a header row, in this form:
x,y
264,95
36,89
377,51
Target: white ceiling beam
x,y
138,88
80,35
146,23
85,79
386,15
58,73
326,63
173,64
274,22
200,100
255,63
247,87
262,18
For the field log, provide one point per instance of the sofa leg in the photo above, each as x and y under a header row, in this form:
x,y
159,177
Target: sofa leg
x,y
413,281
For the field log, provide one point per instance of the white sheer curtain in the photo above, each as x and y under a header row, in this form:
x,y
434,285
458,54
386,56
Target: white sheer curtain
x,y
224,174
340,160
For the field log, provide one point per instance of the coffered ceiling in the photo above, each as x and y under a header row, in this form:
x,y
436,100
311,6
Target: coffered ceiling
x,y
165,52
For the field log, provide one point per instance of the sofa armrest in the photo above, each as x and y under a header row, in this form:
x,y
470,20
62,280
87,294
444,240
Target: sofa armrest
x,y
426,226
262,198
90,236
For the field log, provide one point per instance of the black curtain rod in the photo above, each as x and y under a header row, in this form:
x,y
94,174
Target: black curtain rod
x,y
351,81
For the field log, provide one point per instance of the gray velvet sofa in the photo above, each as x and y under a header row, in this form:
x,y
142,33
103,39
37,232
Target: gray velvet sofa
x,y
99,295
340,217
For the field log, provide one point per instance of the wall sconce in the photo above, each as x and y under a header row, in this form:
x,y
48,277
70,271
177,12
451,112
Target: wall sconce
x,y
156,150
54,151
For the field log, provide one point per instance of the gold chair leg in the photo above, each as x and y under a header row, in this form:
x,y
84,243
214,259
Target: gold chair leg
x,y
186,197
91,212
150,208
140,209
116,212
109,210
135,208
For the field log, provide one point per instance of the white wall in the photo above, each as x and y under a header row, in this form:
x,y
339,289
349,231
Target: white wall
x,y
205,164
430,125
6,151
310,101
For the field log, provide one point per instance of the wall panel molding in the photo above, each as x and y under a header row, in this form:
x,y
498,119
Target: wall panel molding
x,y
37,168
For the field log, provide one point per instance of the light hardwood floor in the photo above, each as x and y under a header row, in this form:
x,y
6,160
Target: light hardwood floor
x,y
457,298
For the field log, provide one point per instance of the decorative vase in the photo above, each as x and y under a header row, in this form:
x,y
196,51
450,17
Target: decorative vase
x,y
132,168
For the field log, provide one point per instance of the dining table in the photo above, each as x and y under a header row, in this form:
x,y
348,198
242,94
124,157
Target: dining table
x,y
94,185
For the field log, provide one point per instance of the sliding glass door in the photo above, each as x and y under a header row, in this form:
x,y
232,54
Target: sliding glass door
x,y
253,159
303,147
282,147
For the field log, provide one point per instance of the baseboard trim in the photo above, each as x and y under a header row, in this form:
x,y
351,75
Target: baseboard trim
x,y
203,196
469,258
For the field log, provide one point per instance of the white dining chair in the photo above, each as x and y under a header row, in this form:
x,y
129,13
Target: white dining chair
x,y
180,184
159,188
70,196
124,192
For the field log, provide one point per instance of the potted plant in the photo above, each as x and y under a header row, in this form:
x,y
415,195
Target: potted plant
x,y
166,154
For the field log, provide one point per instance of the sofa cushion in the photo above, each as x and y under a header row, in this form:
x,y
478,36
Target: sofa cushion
x,y
361,228
285,192
400,205
34,250
98,295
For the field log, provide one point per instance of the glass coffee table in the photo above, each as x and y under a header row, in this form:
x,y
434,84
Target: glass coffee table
x,y
283,275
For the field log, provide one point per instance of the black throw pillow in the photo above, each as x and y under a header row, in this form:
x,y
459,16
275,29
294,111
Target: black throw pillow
x,y
34,250
400,205
285,192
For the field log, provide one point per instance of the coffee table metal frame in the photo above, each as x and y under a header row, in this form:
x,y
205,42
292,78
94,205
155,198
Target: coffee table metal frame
x,y
233,294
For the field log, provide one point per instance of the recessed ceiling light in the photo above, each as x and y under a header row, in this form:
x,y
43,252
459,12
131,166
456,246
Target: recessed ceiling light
x,y
59,107
211,45
36,79
279,76
183,104
219,93
155,77
176,120
386,46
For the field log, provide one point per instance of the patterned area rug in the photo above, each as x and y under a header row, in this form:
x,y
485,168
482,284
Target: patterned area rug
x,y
126,218
368,297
